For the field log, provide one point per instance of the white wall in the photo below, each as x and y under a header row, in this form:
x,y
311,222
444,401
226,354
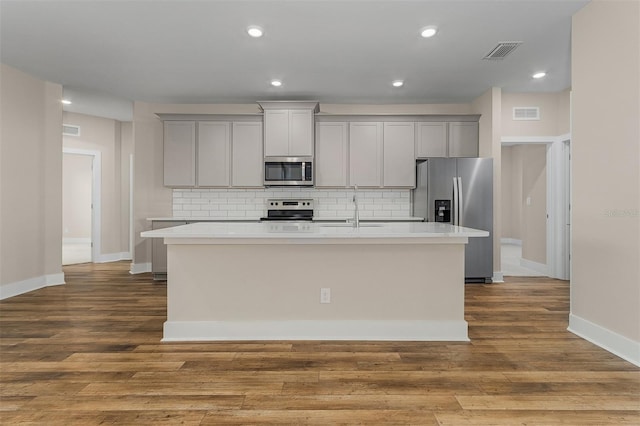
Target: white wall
x,y
605,277
30,183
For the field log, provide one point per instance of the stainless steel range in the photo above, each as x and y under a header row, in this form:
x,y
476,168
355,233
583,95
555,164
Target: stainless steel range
x,y
289,209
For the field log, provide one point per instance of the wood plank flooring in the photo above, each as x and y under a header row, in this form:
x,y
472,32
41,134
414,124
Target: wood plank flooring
x,y
89,352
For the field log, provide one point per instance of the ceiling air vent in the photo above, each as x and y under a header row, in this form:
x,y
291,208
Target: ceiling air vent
x,y
502,50
70,130
526,113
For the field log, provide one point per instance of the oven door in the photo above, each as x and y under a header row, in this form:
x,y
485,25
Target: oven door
x,y
285,171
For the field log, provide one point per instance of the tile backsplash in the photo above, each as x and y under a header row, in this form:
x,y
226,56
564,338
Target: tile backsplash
x,y
329,203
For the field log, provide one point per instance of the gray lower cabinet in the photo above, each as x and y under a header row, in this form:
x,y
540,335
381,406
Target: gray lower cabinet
x,y
159,249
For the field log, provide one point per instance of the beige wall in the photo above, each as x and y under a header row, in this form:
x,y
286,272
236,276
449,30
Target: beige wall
x,y
77,178
30,178
605,279
511,192
126,162
489,106
554,114
104,135
150,197
534,203
524,202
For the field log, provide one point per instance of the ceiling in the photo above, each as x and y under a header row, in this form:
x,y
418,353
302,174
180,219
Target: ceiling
x,y
111,52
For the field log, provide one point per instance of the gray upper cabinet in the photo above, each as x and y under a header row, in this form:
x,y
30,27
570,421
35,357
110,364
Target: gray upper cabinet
x,y
216,154
331,154
247,160
179,153
399,166
214,149
365,154
446,139
382,154
463,139
288,133
301,133
289,128
276,132
431,139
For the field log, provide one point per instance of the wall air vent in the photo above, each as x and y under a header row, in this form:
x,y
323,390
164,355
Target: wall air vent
x,y
502,50
70,130
526,113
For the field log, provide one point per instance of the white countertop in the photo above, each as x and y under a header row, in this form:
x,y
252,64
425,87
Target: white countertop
x,y
203,219
316,219
313,231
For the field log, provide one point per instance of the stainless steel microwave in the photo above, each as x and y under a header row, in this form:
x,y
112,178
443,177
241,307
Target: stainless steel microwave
x,y
288,171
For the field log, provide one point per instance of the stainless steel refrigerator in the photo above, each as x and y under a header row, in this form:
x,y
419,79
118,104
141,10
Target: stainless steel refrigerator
x,y
460,191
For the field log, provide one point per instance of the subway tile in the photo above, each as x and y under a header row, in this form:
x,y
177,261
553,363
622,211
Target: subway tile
x,y
251,202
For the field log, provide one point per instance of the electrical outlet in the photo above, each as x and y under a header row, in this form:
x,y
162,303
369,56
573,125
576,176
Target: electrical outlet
x,y
325,295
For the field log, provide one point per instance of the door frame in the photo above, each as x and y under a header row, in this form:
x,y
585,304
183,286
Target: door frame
x,y
558,199
96,197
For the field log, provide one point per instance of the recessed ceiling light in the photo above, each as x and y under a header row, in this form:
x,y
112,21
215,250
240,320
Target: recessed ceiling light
x,y
427,32
539,74
398,83
255,31
66,102
276,83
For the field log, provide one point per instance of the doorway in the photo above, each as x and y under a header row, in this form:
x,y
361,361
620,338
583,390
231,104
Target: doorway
x,y
536,220
80,206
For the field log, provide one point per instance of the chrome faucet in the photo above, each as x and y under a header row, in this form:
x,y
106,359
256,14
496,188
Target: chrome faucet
x,y
356,213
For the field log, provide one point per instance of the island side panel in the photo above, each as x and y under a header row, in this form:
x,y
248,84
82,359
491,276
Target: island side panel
x,y
372,286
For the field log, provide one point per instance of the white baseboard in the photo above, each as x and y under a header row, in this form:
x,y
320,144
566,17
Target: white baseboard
x,y
498,277
176,331
538,267
31,284
140,268
113,257
513,241
613,342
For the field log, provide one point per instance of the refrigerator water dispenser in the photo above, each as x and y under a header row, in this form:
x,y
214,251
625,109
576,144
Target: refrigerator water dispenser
x,y
443,211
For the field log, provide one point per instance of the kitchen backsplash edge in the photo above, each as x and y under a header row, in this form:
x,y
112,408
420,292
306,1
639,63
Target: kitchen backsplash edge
x,y
250,203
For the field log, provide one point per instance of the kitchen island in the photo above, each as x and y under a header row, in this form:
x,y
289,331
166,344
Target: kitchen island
x,y
309,281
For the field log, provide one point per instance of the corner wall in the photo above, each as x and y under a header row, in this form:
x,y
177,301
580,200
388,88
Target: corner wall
x,y
605,277
30,183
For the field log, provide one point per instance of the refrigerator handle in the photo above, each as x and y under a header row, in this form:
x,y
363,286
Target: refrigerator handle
x,y
456,205
461,206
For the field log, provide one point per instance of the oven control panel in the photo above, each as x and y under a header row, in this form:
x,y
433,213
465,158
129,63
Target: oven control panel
x,y
289,204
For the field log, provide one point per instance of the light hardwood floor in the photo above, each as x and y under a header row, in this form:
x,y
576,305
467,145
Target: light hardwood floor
x,y
89,352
